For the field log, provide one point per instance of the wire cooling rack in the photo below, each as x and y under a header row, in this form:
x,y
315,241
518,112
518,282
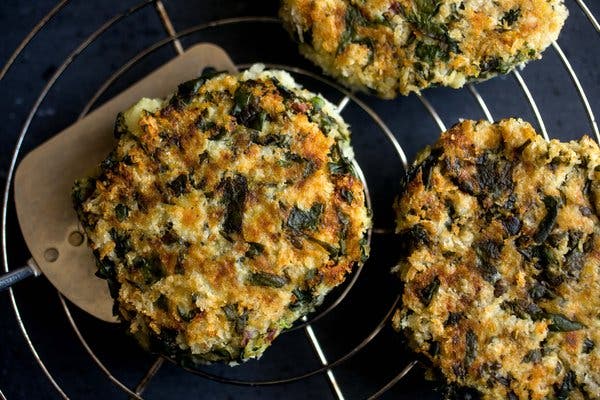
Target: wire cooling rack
x,y
336,349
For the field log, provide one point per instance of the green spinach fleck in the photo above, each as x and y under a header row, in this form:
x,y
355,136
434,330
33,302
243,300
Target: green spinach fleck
x,y
301,220
560,323
121,239
304,298
533,356
106,268
267,279
239,320
317,102
470,347
510,17
187,314
549,220
179,185
429,53
121,212
346,195
246,107
588,346
339,165
426,294
254,249
150,267
162,302
564,390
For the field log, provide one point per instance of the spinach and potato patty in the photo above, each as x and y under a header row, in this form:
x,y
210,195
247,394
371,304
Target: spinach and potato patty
x,y
501,261
391,47
224,214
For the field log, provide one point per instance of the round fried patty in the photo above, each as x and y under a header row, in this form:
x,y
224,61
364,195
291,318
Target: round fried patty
x,y
225,213
501,261
401,46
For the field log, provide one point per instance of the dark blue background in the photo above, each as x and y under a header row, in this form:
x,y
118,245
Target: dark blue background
x,y
20,375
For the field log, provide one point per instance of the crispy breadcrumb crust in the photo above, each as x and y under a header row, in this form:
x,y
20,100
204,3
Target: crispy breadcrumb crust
x,y
224,214
391,47
501,261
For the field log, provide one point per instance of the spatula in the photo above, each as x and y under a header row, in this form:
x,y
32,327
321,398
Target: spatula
x,y
44,179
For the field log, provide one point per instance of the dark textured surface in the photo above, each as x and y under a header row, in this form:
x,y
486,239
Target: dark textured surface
x,y
20,375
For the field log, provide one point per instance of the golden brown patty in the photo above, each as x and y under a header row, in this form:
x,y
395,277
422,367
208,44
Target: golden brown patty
x,y
224,214
501,261
402,46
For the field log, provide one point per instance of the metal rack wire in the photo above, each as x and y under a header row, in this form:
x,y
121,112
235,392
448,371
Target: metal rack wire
x,y
327,366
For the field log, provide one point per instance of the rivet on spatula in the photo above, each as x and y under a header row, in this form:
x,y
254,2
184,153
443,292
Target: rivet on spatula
x,y
75,238
51,254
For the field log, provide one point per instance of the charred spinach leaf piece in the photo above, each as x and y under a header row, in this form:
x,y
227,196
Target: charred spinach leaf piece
x,y
106,267
539,290
186,91
344,221
487,252
346,195
304,298
453,318
511,16
422,17
267,279
179,185
549,220
339,164
187,315
272,139
413,237
246,108
426,294
162,302
239,320
494,65
82,190
353,20
254,249
494,175
120,127
512,225
121,212
165,342
588,346
334,252
523,309
121,239
109,163
234,197
299,221
533,356
302,220
470,348
150,267
560,323
425,167
566,387
429,53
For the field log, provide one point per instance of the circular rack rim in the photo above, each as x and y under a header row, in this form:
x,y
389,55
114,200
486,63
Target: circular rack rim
x,y
173,38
